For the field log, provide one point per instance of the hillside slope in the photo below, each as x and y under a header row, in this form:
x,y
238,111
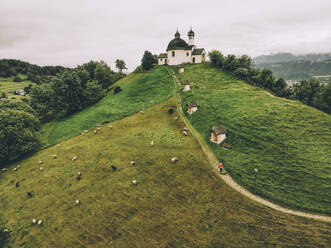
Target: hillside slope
x,y
139,90
174,205
287,142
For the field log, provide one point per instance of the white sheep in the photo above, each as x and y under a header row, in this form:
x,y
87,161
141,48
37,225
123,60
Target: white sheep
x,y
74,158
40,161
98,128
95,131
174,160
152,143
110,126
134,182
185,129
142,111
176,118
77,202
18,166
39,222
34,221
184,133
15,169
41,168
4,169
54,156
133,163
79,173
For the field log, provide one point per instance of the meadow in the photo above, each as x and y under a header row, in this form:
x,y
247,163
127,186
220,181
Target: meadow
x,y
139,91
287,141
7,85
173,205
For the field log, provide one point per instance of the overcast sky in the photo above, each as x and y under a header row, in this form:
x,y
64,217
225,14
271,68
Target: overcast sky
x,y
71,32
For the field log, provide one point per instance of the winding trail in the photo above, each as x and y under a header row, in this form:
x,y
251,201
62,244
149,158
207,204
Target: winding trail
x,y
226,177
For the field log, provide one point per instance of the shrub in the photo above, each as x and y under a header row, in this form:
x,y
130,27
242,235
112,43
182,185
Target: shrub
x,y
117,89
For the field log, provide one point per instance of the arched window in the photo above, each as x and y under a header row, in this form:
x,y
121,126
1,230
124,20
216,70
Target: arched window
x,y
193,60
187,54
173,53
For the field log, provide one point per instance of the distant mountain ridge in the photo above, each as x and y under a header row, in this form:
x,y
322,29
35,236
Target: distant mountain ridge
x,y
286,57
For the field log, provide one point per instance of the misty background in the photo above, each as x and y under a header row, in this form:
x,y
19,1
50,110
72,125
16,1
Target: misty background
x,y
72,32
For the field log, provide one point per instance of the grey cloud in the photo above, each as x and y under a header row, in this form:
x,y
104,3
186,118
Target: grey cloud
x,y
73,32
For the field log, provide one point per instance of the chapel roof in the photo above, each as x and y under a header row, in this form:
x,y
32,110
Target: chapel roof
x,y
198,51
163,56
177,43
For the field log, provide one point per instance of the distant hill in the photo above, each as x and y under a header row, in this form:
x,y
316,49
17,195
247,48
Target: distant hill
x,y
297,67
286,57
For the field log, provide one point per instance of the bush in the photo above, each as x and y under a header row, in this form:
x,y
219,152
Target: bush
x,y
147,61
117,89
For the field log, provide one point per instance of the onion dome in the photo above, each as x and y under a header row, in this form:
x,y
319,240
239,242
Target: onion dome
x,y
177,43
190,33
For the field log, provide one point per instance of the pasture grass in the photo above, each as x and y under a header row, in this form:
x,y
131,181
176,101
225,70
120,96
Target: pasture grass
x,y
287,141
7,85
139,90
174,205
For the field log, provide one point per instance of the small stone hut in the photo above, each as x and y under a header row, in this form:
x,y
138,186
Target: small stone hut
x,y
192,107
187,85
218,134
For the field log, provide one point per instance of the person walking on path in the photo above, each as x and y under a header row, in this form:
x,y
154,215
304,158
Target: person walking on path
x,y
220,166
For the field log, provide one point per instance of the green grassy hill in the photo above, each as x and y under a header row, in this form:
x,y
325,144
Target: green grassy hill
x,y
139,90
174,205
288,142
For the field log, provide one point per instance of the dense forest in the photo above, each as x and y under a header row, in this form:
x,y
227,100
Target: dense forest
x,y
297,67
59,92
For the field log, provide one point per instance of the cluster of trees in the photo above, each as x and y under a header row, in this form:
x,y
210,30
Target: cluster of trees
x,y
73,90
147,62
11,67
60,95
18,130
310,92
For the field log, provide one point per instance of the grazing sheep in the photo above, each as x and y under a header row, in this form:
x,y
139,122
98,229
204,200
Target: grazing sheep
x,y
40,161
185,129
110,126
54,156
40,222
142,111
133,163
41,168
77,202
152,143
134,182
29,194
79,173
174,160
17,184
15,169
113,167
6,230
184,133
176,118
34,221
18,166
98,128
85,131
58,145
4,169
95,131
74,158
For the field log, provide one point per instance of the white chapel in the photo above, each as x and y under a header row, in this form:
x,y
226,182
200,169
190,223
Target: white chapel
x,y
179,52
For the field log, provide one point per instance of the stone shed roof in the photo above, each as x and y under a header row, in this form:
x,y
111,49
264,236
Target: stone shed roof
x,y
192,104
218,129
186,82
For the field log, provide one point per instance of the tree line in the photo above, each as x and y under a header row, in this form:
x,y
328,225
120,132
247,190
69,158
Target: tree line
x,y
311,92
57,96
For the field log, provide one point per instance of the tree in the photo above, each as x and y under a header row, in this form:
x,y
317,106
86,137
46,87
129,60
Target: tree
x,y
147,61
93,92
231,63
41,101
246,62
216,58
18,134
120,65
104,74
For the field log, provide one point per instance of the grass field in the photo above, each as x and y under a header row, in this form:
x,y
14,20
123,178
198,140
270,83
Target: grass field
x,y
139,90
8,86
174,205
288,142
